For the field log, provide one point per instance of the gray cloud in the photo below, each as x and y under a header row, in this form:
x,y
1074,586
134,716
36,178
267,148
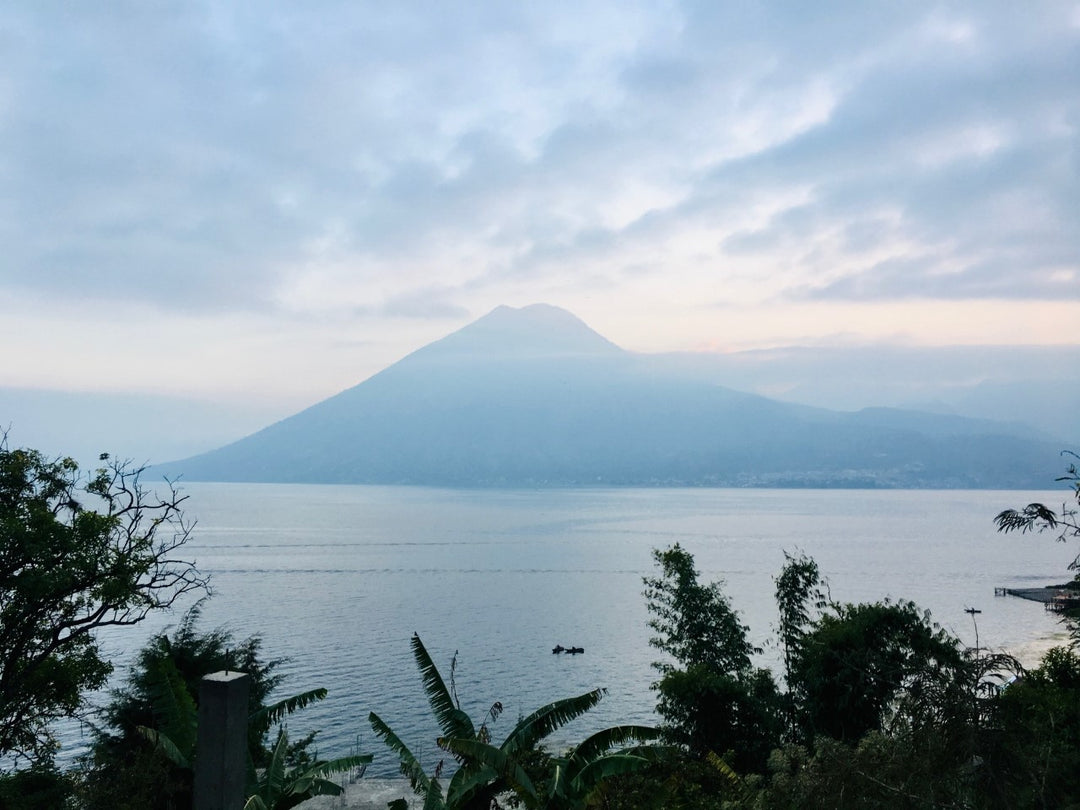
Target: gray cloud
x,y
200,156
1006,217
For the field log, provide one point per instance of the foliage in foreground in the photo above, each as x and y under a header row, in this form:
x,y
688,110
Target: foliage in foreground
x,y
1039,517
712,699
143,757
882,707
485,772
879,708
75,555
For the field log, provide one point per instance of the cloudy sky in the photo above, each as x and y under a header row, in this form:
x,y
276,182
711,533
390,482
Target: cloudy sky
x,y
268,200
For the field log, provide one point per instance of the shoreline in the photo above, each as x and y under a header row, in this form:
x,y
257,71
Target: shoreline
x,y
366,794
1030,653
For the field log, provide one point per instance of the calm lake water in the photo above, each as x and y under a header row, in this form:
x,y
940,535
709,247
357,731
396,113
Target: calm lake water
x,y
337,578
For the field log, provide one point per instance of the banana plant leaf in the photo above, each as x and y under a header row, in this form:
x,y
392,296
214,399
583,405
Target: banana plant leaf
x,y
547,719
263,719
452,720
508,771
410,765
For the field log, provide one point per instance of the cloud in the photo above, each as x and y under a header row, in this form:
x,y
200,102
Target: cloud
x,y
964,162
321,160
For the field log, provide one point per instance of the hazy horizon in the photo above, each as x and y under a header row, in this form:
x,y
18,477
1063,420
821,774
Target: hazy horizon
x,y
1019,385
221,214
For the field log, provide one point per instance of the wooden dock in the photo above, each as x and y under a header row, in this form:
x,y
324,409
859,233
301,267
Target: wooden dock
x,y
1055,598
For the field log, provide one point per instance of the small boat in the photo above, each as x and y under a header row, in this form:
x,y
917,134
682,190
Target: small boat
x,y
559,648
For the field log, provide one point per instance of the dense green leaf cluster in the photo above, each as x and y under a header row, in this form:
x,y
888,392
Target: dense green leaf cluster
x,y
144,755
883,708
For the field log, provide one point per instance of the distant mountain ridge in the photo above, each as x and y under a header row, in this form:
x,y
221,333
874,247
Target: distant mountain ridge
x,y
534,397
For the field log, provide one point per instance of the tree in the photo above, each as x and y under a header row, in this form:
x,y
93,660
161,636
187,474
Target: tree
x,y
717,701
1039,517
76,555
695,623
164,680
800,595
145,759
1033,756
860,666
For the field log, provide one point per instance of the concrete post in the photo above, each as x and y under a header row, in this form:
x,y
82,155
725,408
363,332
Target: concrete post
x,y
221,748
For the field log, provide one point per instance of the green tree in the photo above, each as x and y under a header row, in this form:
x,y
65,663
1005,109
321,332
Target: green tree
x,y
40,787
124,769
800,598
1032,751
878,771
76,555
861,666
717,701
695,623
143,756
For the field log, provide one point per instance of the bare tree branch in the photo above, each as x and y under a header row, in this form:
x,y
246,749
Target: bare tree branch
x,y
76,555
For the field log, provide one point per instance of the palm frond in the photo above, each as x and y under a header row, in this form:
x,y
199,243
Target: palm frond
x,y
339,765
410,766
296,793
307,786
468,782
267,716
452,721
190,619
594,773
163,744
255,803
274,778
174,709
506,769
557,789
603,741
1027,519
727,772
323,787
433,797
547,719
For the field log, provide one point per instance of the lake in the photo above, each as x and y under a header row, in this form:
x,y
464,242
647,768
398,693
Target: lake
x,y
337,579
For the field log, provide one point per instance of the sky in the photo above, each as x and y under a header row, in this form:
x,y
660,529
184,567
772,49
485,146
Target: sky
x,y
263,203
